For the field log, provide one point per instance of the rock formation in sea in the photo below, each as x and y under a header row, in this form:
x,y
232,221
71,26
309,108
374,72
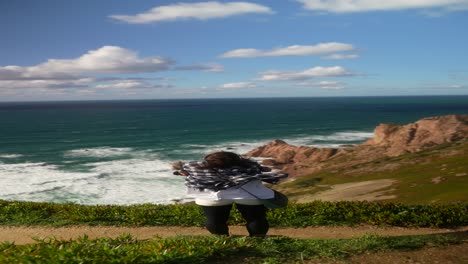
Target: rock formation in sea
x,y
389,140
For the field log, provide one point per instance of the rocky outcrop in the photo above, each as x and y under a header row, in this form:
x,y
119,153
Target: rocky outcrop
x,y
283,153
388,140
425,133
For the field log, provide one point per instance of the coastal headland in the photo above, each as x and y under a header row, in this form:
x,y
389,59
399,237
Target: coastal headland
x,y
426,160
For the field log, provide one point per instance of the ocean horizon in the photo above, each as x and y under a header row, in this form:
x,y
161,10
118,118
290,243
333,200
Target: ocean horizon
x,y
119,152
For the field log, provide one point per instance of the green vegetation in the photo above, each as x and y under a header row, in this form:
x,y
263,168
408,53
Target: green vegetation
x,y
206,249
438,174
295,215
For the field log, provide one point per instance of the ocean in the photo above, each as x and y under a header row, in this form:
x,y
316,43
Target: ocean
x,y
119,152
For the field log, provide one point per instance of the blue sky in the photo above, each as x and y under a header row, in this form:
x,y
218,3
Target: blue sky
x,y
123,49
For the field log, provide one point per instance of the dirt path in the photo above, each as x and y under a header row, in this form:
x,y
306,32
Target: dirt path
x,y
24,235
374,190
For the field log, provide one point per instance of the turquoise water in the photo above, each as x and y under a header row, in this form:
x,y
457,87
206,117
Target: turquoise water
x,y
118,152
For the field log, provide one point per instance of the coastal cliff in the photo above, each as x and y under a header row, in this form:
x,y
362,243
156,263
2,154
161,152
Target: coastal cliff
x,y
425,161
389,140
420,135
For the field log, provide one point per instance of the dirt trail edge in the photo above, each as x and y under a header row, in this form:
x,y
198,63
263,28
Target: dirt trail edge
x,y
26,234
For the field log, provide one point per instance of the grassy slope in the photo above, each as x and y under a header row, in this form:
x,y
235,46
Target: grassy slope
x,y
413,172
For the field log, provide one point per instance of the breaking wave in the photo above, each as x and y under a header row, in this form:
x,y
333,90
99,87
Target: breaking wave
x,y
109,175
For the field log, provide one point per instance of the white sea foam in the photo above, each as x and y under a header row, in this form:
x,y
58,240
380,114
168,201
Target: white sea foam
x,y
133,177
237,147
10,156
22,180
126,181
333,140
132,181
194,146
101,152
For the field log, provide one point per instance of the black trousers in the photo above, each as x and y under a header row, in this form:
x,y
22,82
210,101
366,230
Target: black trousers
x,y
255,215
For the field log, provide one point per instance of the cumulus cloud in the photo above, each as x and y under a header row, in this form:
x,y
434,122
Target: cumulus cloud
x,y
198,11
315,72
83,72
107,59
237,85
340,57
13,72
350,6
209,67
294,50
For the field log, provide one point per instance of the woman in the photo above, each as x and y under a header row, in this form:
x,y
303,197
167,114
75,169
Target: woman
x,y
224,178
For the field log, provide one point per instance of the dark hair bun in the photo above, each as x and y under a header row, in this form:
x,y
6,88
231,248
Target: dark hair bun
x,y
224,159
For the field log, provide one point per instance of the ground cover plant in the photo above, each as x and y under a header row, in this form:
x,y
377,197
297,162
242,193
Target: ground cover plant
x,y
206,249
295,215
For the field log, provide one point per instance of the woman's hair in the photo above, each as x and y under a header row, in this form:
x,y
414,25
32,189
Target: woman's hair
x,y
224,159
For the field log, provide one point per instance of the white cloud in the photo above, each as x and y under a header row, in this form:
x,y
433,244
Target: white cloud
x,y
45,84
325,85
199,11
349,6
33,73
457,86
341,57
131,84
451,86
237,85
209,67
107,59
445,86
77,72
294,50
330,85
315,72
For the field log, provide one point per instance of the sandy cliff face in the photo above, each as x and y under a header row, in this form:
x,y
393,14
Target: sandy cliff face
x,y
425,133
388,140
283,153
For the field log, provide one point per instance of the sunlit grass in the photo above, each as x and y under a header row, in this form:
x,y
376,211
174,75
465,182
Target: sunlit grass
x,y
295,215
205,249
413,175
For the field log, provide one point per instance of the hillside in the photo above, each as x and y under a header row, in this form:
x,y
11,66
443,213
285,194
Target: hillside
x,y
421,162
